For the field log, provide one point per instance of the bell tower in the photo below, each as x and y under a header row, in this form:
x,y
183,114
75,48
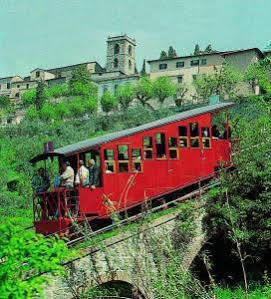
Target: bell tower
x,y
121,54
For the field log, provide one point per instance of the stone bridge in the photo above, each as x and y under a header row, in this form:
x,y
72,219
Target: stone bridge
x,y
128,259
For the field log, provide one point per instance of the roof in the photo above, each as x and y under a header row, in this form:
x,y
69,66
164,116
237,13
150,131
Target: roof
x,y
11,77
93,142
213,53
63,67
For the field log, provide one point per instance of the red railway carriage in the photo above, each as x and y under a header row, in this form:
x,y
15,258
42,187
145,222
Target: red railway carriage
x,y
137,164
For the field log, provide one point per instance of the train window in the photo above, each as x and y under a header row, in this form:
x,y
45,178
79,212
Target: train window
x,y
147,143
206,140
109,162
173,148
123,158
183,137
160,145
194,133
136,160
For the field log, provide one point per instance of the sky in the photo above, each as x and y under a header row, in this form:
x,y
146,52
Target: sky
x,y
54,33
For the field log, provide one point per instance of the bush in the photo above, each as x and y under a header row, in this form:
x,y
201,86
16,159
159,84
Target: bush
x,y
28,97
59,90
24,256
108,102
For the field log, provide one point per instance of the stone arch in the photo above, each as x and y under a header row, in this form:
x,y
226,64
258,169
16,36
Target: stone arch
x,y
121,278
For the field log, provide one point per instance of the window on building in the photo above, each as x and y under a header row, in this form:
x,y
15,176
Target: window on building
x,y
162,66
203,61
194,77
136,160
27,86
179,64
130,50
183,136
147,144
206,140
160,145
109,161
37,74
17,95
130,64
123,158
116,49
18,86
0,86
173,148
180,79
194,133
8,85
194,62
116,62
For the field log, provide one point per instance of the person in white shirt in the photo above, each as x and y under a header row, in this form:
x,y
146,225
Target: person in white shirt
x,y
82,176
67,176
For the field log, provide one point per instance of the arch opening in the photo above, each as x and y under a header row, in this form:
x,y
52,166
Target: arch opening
x,y
116,289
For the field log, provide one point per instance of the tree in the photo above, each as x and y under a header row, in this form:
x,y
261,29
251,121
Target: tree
x,y
40,95
125,94
172,52
197,50
4,102
144,90
28,97
80,74
108,102
239,210
209,49
143,71
260,73
163,88
163,55
223,82
180,94
24,257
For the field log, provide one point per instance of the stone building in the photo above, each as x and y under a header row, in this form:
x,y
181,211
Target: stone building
x,y
120,69
185,69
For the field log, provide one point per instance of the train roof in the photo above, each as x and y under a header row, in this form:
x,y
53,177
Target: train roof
x,y
93,142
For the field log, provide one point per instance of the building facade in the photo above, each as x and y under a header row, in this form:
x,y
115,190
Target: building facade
x,y
185,69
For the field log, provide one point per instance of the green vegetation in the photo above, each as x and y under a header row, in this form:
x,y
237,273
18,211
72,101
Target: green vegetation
x,y
24,256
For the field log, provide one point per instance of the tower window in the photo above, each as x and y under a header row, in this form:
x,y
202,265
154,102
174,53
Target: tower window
x,y
116,49
130,50
130,64
37,74
116,62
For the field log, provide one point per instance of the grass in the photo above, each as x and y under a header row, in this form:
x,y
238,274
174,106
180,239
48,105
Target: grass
x,y
256,291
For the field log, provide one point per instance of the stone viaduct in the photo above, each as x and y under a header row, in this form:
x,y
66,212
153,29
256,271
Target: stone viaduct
x,y
129,258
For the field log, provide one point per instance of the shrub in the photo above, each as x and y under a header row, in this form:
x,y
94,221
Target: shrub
x,y
28,97
108,102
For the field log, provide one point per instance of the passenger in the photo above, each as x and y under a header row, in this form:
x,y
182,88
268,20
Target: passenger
x,y
215,131
82,176
94,174
40,181
227,131
67,177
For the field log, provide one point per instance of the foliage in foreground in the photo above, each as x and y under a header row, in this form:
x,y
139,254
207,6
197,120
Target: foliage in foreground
x,y
239,210
24,256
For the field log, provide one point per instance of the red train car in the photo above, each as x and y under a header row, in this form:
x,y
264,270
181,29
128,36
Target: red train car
x,y
137,164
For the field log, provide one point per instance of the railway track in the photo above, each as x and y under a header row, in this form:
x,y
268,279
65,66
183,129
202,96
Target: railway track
x,y
188,196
